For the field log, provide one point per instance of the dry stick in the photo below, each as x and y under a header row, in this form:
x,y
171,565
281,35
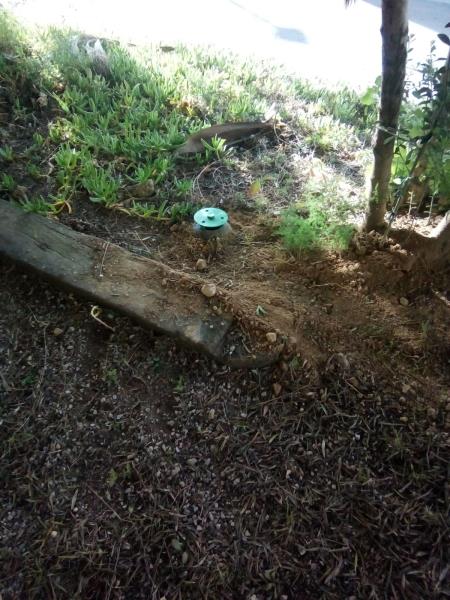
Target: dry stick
x,y
202,172
113,576
105,503
6,386
95,311
103,259
431,209
420,153
43,370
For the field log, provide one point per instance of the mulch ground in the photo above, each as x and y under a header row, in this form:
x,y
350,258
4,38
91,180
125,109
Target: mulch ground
x,y
132,469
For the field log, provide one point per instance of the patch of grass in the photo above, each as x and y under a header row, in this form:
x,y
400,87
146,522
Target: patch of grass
x,y
7,183
22,72
7,153
33,171
325,134
322,218
342,103
313,231
162,212
117,127
101,185
37,205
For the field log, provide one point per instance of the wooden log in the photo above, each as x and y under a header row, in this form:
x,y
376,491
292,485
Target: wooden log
x,y
145,290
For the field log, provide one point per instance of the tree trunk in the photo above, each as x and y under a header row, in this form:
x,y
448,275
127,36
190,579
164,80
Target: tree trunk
x,y
437,252
394,33
418,189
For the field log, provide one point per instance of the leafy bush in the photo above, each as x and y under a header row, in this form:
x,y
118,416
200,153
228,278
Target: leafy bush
x,y
422,154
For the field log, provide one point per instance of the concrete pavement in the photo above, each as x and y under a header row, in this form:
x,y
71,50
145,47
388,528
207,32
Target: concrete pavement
x,y
314,38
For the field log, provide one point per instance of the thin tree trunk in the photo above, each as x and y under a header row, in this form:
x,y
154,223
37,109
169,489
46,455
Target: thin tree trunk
x,y
394,33
437,251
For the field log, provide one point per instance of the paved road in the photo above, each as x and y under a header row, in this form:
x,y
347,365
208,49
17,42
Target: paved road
x,y
315,38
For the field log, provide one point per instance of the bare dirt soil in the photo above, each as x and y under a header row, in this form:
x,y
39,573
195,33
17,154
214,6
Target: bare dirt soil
x,y
135,469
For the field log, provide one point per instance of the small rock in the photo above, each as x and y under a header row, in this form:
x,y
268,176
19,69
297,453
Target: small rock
x,y
404,419
20,192
271,337
404,301
176,544
142,190
191,462
164,282
201,264
277,389
209,290
57,331
42,100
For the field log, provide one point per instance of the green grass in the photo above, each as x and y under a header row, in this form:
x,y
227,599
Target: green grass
x,y
7,183
320,219
7,153
342,104
111,130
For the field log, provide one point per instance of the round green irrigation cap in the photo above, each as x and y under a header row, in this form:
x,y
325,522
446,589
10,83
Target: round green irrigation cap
x,y
211,218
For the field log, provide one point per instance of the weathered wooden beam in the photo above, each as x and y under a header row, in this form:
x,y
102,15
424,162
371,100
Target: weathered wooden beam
x,y
145,290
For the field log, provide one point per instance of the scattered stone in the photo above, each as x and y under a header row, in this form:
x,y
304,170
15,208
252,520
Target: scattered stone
x,y
191,462
201,264
431,412
277,389
142,190
20,192
57,331
209,290
404,301
42,100
271,337
176,544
